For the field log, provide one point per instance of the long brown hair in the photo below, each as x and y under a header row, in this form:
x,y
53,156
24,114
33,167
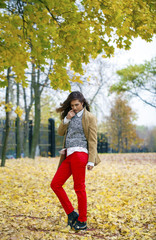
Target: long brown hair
x,y
65,107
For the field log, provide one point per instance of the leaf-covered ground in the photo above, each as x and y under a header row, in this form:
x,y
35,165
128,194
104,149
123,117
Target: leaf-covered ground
x,y
121,199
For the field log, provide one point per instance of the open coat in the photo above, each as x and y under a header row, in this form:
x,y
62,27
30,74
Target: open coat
x,y
90,130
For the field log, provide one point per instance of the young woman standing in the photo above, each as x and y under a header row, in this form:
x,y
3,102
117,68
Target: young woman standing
x,y
79,129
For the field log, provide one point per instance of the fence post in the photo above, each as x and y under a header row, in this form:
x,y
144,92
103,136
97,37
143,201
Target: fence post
x,y
17,137
51,137
30,135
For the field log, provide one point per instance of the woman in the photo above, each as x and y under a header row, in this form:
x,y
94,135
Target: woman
x,y
80,149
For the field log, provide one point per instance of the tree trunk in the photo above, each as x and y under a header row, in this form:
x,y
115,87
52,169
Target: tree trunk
x,y
7,121
36,129
119,140
26,121
26,126
18,140
26,135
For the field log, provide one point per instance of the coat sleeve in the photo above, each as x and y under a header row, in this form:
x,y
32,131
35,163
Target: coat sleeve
x,y
92,139
62,129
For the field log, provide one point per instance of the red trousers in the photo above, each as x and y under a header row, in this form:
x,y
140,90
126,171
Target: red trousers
x,y
75,165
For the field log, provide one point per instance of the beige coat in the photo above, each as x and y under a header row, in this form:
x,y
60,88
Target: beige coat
x,y
90,130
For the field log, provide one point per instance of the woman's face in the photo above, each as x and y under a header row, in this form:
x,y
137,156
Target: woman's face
x,y
76,106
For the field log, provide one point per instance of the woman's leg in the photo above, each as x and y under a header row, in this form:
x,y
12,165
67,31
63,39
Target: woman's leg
x,y
78,166
62,174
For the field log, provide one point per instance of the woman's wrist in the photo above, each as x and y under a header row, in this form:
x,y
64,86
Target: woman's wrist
x,y
66,120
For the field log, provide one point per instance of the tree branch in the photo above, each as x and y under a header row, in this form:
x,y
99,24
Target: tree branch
x,y
50,12
137,95
47,78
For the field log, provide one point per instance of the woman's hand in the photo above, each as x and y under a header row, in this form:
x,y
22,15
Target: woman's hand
x,y
70,114
89,167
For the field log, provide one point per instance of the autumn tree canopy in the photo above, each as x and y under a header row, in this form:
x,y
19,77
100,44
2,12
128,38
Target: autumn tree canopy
x,y
68,31
138,81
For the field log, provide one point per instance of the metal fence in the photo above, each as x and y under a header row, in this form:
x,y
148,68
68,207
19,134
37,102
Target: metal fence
x,y
49,144
11,146
102,146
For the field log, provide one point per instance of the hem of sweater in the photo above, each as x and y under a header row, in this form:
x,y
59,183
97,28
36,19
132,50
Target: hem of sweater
x,y
71,150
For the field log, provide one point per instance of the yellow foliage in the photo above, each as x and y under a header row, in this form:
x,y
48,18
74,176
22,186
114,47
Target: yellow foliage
x,y
76,79
69,32
8,107
19,111
121,199
120,127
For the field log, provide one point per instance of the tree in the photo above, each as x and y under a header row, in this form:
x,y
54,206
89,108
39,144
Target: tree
x,y
18,139
27,109
120,128
37,31
69,32
38,85
138,81
7,127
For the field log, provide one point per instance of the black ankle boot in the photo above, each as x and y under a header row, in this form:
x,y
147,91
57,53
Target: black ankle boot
x,y
80,225
72,217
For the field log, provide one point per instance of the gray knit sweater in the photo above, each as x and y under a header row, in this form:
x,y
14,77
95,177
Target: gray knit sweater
x,y
75,135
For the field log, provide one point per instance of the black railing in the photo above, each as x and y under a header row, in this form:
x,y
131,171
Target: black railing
x,y
49,144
